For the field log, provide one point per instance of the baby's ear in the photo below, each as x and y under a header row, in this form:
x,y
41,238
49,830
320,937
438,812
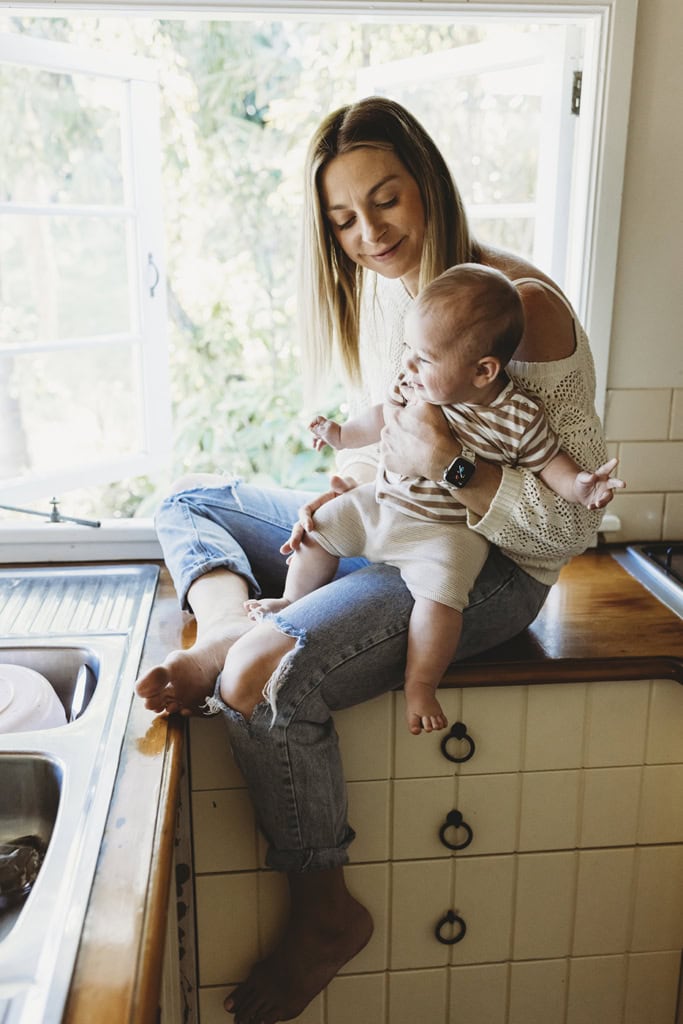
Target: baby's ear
x,y
487,369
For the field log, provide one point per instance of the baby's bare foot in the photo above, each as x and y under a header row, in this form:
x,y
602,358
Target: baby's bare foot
x,y
258,607
423,711
185,678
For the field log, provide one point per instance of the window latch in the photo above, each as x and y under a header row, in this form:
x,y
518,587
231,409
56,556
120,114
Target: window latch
x,y
576,93
155,269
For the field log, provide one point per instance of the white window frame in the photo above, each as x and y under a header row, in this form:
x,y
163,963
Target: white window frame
x,y
557,58
606,88
140,211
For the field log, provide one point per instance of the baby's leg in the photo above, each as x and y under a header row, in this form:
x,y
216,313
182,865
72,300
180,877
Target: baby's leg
x,y
311,567
433,635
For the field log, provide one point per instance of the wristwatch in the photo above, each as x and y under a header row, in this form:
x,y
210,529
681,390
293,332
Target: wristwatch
x,y
461,469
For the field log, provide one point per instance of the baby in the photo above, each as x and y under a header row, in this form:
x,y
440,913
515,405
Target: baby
x,y
460,334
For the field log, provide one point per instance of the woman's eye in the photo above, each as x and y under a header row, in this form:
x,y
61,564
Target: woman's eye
x,y
346,224
388,203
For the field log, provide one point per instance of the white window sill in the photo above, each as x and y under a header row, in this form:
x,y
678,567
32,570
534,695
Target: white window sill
x,y
114,541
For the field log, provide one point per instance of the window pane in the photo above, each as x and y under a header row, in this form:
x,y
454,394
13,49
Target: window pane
x,y
62,277
69,147
489,137
69,408
515,234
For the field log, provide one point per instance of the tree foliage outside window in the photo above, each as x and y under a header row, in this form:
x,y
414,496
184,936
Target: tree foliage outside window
x,y
240,100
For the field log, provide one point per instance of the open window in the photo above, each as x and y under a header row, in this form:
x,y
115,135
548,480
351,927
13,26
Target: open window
x,y
83,365
529,103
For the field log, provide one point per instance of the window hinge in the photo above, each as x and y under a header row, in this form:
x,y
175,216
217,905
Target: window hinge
x,y
576,93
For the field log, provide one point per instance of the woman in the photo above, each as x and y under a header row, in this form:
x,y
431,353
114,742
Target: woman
x,y
382,217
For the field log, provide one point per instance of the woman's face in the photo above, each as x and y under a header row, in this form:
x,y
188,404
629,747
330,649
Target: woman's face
x,y
375,211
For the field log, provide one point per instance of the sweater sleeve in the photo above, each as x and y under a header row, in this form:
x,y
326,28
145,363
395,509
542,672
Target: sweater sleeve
x,y
535,527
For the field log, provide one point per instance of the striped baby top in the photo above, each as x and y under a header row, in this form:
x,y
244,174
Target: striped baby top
x,y
512,429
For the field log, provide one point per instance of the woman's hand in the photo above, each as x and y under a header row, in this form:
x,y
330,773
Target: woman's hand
x,y
338,485
417,441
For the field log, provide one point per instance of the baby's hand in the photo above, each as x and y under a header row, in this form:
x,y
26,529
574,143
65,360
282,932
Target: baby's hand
x,y
325,432
595,490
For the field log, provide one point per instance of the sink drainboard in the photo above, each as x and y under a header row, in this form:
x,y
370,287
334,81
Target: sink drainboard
x,y
83,628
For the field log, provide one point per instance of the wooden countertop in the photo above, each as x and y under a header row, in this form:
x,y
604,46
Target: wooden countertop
x,y
597,624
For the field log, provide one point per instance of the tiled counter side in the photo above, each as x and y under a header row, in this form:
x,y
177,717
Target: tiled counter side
x,y
571,889
572,886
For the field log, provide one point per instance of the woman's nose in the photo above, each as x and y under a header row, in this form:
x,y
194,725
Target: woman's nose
x,y
372,229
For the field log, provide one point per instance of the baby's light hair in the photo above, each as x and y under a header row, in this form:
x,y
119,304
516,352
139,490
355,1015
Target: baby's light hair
x,y
477,306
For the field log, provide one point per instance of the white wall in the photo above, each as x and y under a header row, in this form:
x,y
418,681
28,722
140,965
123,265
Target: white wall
x,y
644,409
647,332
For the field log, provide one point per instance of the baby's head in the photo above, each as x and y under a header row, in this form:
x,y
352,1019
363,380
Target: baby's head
x,y
462,330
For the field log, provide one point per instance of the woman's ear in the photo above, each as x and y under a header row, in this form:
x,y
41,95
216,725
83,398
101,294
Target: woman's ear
x,y
486,371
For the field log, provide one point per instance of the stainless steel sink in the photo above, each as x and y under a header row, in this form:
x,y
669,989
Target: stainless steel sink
x,y
29,801
57,783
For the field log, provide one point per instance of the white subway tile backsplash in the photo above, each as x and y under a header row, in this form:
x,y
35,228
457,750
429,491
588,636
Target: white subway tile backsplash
x,y
672,528
638,415
640,515
676,426
644,429
652,465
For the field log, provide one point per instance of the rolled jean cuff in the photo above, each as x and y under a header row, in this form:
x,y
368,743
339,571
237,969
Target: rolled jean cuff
x,y
311,860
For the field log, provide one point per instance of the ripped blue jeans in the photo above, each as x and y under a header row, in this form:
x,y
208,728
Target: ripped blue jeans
x,y
351,647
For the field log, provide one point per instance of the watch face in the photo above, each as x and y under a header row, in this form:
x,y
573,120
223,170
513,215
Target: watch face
x,y
459,472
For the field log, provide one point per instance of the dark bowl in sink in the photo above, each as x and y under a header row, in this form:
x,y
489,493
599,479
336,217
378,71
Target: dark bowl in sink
x,y
30,791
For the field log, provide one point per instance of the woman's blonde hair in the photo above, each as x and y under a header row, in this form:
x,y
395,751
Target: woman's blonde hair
x,y
330,283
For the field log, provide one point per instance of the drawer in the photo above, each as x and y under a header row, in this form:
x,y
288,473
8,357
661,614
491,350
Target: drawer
x,y
475,815
537,906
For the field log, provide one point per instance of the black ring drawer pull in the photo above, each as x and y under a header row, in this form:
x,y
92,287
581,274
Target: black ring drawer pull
x,y
450,918
454,820
458,732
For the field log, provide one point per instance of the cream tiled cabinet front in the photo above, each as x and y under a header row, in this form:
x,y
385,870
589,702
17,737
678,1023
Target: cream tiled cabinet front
x,y
565,890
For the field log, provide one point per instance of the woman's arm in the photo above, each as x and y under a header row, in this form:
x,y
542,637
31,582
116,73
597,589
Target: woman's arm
x,y
417,441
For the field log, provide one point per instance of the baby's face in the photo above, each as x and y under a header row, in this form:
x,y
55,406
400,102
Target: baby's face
x,y
436,365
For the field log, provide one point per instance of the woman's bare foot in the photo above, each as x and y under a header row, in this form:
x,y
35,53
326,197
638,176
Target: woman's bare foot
x,y
423,711
258,607
319,939
185,678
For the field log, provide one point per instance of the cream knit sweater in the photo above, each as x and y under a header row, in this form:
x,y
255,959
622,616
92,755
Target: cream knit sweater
x,y
530,523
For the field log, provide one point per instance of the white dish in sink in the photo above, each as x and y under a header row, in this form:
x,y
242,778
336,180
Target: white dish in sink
x,y
27,701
